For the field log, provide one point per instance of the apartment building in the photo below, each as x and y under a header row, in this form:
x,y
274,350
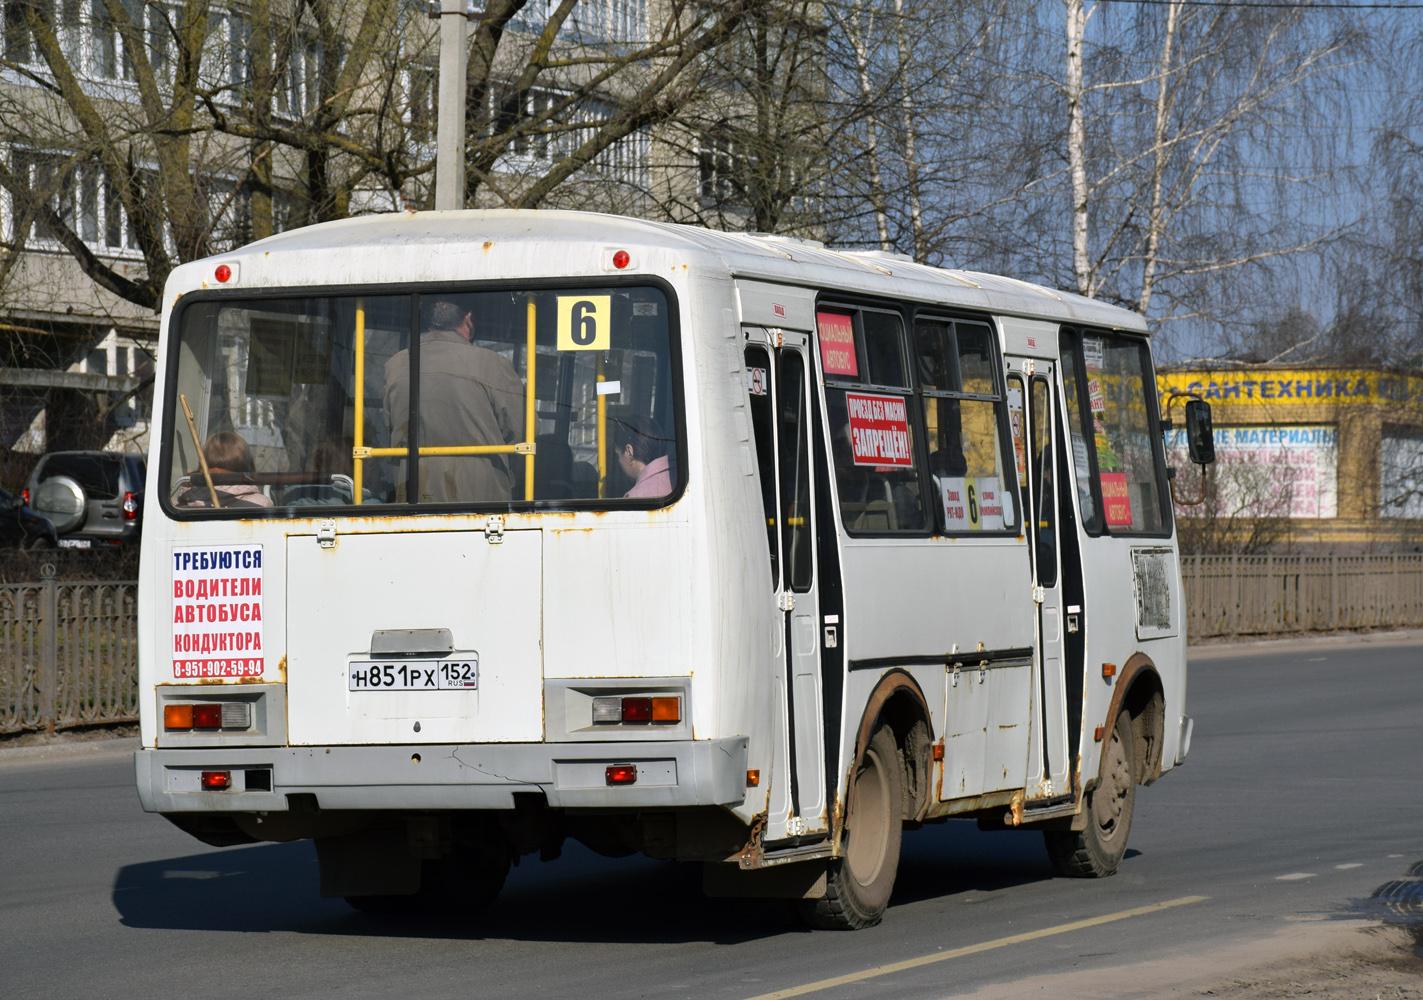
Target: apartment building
x,y
133,138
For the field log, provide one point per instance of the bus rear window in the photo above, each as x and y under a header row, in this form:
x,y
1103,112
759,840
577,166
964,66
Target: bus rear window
x,y
426,398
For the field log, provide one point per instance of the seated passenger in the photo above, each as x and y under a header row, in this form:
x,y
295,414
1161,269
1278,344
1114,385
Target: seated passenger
x,y
642,455
227,454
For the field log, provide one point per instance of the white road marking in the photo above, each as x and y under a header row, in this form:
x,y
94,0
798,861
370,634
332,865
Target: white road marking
x,y
1351,864
1294,876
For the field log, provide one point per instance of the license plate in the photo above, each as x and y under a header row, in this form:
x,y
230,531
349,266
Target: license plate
x,y
413,675
75,543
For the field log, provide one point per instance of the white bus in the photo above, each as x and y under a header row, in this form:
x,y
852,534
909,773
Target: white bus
x,y
470,532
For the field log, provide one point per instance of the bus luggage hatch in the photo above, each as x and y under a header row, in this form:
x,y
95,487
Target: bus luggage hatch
x,y
349,604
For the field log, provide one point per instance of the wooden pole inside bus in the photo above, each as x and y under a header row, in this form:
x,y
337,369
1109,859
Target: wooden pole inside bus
x,y
202,459
530,406
357,477
602,431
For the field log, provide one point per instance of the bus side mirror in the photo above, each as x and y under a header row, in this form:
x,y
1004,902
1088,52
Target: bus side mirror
x,y
1200,436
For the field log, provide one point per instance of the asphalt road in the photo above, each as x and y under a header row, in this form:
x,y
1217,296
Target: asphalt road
x,y
1302,795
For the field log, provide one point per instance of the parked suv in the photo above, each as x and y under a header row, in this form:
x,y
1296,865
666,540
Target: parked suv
x,y
93,497
21,527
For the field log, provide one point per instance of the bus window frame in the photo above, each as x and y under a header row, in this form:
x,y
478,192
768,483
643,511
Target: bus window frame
x,y
1074,335
909,313
174,328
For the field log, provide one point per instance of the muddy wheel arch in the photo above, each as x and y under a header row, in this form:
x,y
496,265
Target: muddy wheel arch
x,y
897,701
1139,691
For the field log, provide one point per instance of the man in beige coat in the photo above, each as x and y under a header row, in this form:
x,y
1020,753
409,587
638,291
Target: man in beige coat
x,y
468,396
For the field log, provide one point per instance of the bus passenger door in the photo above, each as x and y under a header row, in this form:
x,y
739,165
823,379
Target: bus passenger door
x,y
779,384
1052,779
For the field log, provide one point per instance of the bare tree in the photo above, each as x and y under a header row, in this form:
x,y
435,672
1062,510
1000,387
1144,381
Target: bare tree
x,y
1178,118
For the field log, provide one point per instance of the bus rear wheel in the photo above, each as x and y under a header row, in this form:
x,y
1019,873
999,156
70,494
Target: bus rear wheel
x,y
1095,852
858,885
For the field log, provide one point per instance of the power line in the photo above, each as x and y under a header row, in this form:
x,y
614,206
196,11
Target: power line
x,y
1270,4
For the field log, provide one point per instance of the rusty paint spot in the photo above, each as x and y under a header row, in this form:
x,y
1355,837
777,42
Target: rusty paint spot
x,y
282,668
1015,808
971,803
488,245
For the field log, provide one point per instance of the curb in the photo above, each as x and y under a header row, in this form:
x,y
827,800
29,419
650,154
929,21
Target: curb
x,y
1284,644
87,749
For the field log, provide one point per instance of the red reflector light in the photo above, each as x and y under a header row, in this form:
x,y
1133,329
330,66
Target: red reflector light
x,y
223,273
637,709
207,716
621,259
177,716
666,710
216,781
130,507
622,774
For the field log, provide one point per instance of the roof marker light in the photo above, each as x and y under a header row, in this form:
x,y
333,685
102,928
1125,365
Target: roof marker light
x,y
223,274
621,259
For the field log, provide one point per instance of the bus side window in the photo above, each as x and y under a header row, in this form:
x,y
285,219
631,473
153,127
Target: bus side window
x,y
758,386
877,474
1045,532
796,535
963,404
1018,427
1072,397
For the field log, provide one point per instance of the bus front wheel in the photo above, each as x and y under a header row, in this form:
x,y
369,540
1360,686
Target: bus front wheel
x,y
1097,850
858,884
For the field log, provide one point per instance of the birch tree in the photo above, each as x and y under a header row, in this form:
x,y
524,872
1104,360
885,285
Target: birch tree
x,y
1186,144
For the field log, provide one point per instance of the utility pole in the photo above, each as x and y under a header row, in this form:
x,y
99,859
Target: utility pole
x,y
454,57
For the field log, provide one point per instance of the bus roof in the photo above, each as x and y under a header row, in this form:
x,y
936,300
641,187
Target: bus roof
x,y
497,243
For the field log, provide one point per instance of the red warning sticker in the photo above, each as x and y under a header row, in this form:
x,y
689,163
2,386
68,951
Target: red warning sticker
x,y
879,430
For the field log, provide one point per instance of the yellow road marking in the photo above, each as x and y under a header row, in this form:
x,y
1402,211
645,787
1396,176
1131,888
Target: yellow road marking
x,y
944,956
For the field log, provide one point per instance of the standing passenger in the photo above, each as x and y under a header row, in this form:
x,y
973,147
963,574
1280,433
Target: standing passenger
x,y
468,396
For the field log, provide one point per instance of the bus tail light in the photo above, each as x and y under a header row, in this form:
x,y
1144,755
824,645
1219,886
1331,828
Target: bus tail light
x,y
622,774
216,781
637,709
221,715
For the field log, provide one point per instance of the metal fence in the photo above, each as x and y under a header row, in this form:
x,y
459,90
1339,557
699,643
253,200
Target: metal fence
x,y
1264,595
69,650
68,654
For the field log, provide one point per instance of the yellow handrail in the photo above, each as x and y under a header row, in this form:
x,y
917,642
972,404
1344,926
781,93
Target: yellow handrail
x,y
530,411
602,430
359,453
451,450
360,428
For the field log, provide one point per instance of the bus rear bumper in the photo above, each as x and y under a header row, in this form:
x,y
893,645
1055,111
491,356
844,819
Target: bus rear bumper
x,y
481,776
